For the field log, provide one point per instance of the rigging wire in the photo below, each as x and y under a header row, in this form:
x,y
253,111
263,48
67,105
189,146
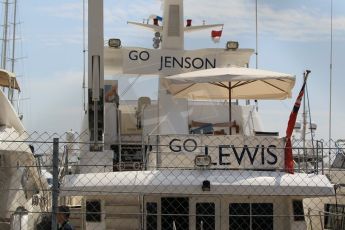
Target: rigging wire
x,y
330,75
330,84
256,47
84,58
125,91
256,35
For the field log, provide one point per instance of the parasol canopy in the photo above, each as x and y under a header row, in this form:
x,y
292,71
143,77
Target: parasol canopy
x,y
231,83
245,83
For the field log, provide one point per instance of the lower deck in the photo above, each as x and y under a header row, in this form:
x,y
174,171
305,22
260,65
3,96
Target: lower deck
x,y
157,212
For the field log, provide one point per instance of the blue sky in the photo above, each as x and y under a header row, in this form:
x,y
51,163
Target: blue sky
x,y
294,35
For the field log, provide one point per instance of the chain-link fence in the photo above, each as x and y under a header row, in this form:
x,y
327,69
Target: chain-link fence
x,y
169,182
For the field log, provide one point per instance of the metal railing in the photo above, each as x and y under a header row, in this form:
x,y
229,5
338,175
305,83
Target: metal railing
x,y
36,170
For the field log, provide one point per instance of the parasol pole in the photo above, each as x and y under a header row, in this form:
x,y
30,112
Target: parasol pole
x,y
230,108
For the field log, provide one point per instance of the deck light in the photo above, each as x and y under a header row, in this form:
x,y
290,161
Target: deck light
x,y
206,186
155,22
114,43
232,45
202,160
189,22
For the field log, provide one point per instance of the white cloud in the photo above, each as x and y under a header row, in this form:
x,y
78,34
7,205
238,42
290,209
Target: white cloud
x,y
292,24
304,23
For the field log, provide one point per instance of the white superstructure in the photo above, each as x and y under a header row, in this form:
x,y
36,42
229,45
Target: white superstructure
x,y
154,164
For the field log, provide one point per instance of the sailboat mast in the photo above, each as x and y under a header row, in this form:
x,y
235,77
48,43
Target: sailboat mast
x,y
10,90
14,34
4,41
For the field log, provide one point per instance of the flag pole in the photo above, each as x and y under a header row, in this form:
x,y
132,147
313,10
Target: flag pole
x,y
288,158
330,88
230,118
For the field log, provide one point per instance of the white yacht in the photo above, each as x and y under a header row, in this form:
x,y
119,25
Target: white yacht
x,y
24,188
188,160
24,191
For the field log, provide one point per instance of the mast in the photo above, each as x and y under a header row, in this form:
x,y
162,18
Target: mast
x,y
256,35
84,60
10,90
95,72
330,90
330,78
14,34
4,42
173,39
256,47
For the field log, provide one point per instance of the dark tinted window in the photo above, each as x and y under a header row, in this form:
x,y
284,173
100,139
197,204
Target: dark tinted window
x,y
93,210
298,212
262,216
151,218
239,216
175,210
205,216
246,216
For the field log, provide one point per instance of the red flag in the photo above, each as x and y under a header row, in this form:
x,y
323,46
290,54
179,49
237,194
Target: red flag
x,y
289,166
216,33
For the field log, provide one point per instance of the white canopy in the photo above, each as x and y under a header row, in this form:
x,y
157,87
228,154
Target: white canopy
x,y
8,79
228,182
246,83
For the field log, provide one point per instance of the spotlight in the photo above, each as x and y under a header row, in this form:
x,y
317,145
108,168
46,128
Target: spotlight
x,y
114,43
232,45
206,186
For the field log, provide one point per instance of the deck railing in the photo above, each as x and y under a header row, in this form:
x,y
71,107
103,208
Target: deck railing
x,y
26,180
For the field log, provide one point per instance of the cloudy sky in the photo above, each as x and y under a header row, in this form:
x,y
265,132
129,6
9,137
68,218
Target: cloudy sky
x,y
294,35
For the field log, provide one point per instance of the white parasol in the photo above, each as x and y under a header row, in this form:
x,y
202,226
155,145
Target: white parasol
x,y
231,83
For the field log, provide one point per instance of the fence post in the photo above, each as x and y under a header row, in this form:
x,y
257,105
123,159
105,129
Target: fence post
x,y
55,189
310,221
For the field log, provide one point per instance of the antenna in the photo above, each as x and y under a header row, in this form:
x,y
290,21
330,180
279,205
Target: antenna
x,y
84,58
256,48
330,78
256,35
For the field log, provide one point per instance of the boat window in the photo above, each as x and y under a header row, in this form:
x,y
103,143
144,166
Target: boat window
x,y
239,216
334,216
262,216
93,210
151,217
205,216
246,216
175,213
298,212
